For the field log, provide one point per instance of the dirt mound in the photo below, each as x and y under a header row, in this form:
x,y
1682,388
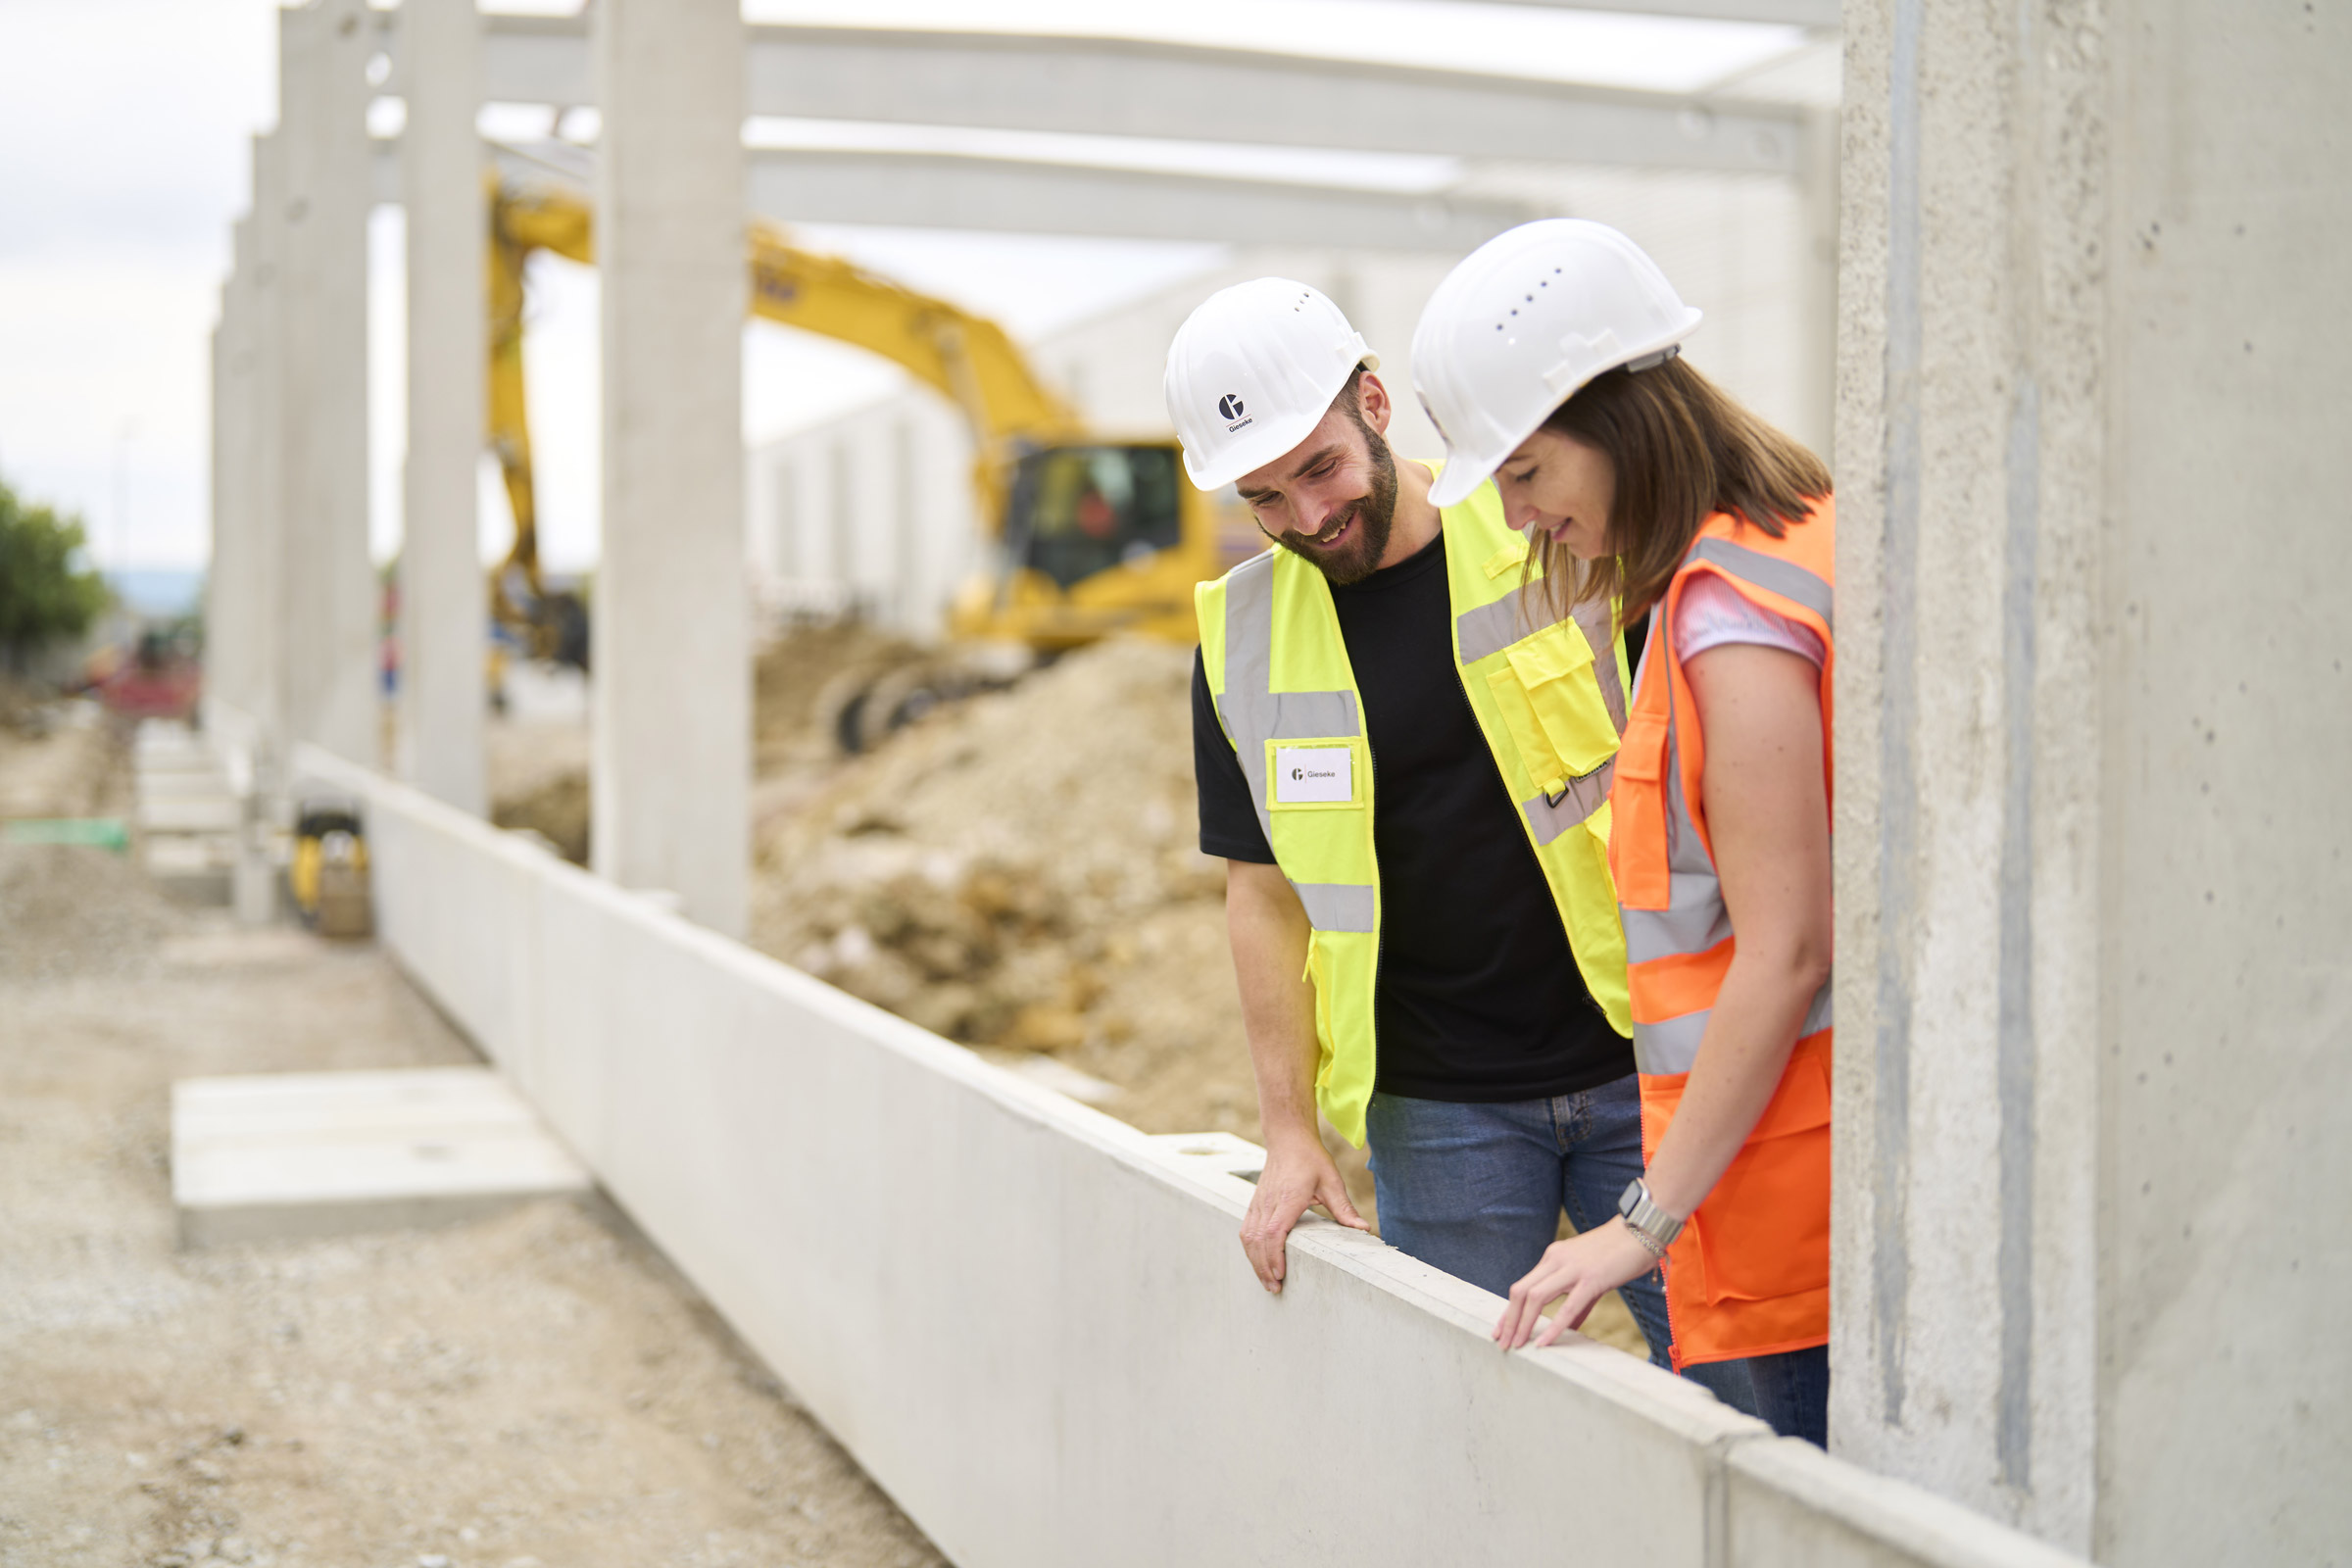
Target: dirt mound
x,y
800,679
66,911
556,809
1019,871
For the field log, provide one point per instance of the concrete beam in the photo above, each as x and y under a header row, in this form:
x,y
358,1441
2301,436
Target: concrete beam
x,y
443,640
924,190
934,191
670,761
1788,13
327,661
1112,87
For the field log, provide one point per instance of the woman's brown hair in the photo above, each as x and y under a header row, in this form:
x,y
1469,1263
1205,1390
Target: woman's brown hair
x,y
1683,451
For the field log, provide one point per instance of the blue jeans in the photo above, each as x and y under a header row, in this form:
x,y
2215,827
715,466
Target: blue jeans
x,y
1477,1190
1792,1391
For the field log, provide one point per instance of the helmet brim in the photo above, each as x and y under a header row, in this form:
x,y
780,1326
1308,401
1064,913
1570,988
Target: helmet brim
x,y
1267,443
1460,478
1466,470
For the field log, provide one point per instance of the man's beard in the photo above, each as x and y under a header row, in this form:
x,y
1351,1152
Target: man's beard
x,y
1370,516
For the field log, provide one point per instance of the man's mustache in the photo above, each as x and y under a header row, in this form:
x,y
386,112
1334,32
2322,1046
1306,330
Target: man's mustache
x,y
1333,527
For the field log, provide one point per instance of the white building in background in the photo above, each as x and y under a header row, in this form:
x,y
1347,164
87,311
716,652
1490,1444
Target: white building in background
x,y
875,510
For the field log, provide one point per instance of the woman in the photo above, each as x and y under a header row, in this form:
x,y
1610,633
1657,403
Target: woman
x,y
1550,359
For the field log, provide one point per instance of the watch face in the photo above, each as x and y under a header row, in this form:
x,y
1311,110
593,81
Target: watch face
x,y
1630,1197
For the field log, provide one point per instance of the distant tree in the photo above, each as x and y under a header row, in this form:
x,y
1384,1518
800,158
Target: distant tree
x,y
47,589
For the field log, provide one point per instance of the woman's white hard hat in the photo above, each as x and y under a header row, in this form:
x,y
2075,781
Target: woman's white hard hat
x,y
1252,372
1525,320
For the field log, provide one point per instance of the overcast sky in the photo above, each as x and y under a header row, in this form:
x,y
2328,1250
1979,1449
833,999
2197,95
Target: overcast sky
x,y
124,157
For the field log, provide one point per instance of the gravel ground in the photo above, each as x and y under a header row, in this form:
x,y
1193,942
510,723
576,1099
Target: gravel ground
x,y
536,1388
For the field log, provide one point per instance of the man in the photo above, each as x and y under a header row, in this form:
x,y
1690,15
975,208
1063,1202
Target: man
x,y
1463,1000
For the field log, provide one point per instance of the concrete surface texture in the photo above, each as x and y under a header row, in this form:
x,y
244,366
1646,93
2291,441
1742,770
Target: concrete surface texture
x,y
671,737
441,743
2094,1001
327,607
261,1155
1029,1372
188,813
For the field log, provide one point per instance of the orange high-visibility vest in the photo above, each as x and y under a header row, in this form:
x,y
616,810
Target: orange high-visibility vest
x,y
1749,1275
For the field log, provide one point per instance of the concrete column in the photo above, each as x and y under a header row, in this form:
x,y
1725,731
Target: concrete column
x,y
671,718
331,603
442,591
2094,1007
249,726
229,569
263,689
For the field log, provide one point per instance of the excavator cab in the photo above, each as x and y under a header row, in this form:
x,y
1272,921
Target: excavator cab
x,y
1077,511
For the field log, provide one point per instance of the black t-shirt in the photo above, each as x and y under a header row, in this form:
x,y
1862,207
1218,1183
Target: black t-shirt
x,y
1479,999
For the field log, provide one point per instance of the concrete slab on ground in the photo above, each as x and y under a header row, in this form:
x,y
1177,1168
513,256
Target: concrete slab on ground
x,y
189,813
305,1155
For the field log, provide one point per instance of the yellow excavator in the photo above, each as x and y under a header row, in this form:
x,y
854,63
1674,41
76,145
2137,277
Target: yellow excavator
x,y
1095,535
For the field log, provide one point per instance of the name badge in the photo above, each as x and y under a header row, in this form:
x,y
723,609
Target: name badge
x,y
1314,775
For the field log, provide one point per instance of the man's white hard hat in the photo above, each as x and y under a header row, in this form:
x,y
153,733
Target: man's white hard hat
x,y
1525,320
1252,372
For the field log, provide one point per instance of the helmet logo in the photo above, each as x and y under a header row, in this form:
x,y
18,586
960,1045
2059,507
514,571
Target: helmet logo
x,y
1229,409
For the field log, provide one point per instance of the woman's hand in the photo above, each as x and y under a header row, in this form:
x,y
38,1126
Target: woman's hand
x,y
1584,1269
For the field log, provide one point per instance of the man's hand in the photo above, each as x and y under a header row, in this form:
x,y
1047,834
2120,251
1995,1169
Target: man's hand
x,y
1584,1269
1298,1175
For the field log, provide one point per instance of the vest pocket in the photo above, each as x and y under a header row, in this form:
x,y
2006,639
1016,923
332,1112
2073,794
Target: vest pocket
x,y
1554,706
1637,809
1764,1230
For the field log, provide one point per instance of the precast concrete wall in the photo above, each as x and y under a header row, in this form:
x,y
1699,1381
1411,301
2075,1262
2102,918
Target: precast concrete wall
x,y
2094,1009
1030,1323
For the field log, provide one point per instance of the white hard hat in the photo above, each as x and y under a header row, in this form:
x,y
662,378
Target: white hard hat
x,y
1252,374
1525,320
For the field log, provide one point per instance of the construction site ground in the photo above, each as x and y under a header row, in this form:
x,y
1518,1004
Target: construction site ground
x,y
538,1388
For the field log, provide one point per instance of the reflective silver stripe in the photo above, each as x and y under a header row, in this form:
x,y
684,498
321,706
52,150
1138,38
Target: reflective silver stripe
x,y
1548,818
1669,1047
1338,905
1596,619
1254,714
1288,715
1491,628
1672,1047
1310,716
1683,851
1784,577
1696,921
1249,671
1249,626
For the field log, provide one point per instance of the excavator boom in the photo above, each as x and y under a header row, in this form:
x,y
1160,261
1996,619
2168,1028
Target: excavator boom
x,y
1097,536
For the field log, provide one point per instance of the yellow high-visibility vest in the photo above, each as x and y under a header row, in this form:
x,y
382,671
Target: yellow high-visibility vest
x,y
1550,702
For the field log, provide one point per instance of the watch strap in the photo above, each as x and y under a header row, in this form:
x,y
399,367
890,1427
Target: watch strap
x,y
1656,1226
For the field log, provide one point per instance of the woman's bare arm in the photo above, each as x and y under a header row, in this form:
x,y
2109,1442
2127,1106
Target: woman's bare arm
x,y
1768,818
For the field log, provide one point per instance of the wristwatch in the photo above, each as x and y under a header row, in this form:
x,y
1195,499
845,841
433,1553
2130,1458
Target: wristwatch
x,y
1652,1226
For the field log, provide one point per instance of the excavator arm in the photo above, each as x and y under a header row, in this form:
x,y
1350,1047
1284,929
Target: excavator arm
x,y
1098,536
